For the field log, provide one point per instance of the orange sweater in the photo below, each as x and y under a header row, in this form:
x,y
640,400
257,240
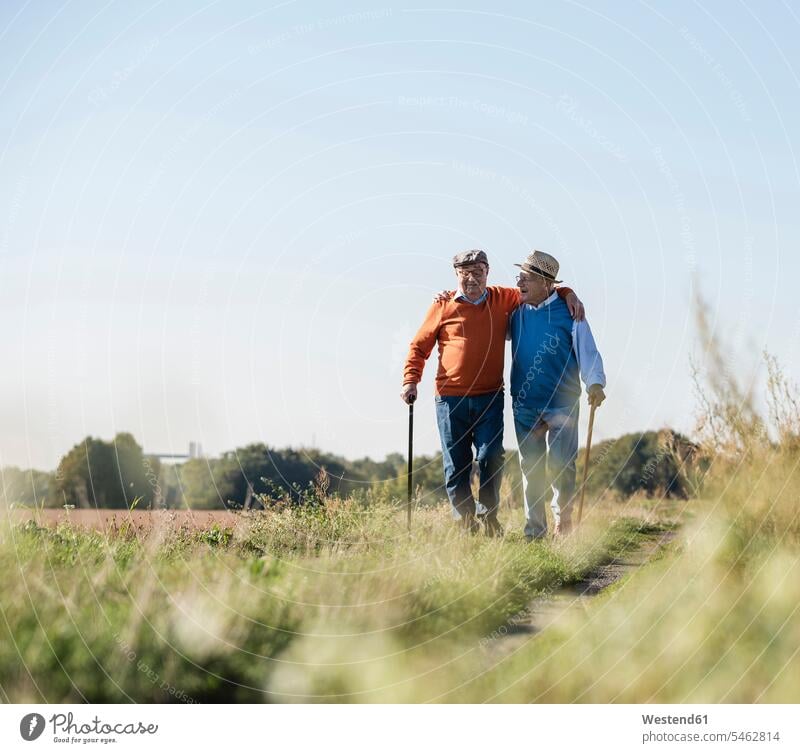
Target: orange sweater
x,y
472,342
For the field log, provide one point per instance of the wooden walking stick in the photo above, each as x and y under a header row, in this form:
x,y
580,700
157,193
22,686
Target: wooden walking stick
x,y
586,462
410,460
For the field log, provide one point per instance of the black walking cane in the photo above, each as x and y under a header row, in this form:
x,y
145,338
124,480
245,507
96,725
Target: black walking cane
x,y
410,458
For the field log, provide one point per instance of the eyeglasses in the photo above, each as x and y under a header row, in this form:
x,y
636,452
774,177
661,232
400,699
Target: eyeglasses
x,y
477,273
522,278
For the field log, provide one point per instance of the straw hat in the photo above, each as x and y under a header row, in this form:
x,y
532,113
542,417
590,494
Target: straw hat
x,y
540,263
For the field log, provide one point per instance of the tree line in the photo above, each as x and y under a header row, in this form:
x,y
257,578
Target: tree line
x,y
118,474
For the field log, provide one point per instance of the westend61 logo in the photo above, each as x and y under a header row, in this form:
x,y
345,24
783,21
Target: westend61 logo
x,y
67,730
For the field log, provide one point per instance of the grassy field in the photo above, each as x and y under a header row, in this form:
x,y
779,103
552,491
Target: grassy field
x,y
334,602
338,602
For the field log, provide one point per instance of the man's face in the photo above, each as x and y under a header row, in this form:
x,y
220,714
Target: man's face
x,y
472,279
534,288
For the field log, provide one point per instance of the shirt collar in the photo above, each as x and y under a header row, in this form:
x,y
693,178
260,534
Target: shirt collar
x,y
546,302
461,297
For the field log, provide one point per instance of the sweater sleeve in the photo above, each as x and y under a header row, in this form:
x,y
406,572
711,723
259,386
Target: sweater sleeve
x,y
422,344
510,297
564,292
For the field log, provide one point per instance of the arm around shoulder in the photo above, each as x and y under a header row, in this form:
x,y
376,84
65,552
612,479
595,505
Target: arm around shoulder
x,y
574,304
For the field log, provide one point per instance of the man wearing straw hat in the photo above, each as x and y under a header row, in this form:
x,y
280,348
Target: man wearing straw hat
x,y
550,354
470,331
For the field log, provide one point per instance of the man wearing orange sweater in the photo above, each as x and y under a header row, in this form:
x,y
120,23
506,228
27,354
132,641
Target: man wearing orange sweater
x,y
470,330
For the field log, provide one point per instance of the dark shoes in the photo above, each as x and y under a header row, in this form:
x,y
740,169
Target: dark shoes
x,y
530,539
492,527
472,524
469,524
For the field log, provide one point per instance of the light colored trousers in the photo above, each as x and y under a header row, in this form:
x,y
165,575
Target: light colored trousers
x,y
547,452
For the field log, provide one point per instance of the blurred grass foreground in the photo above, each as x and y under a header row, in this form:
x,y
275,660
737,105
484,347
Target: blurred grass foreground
x,y
336,602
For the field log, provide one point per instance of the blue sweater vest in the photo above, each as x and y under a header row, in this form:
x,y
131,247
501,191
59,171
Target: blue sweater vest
x,y
544,368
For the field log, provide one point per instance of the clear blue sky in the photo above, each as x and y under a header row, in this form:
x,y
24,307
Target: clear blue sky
x,y
223,222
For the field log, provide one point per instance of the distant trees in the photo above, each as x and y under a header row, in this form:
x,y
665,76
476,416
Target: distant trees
x,y
112,474
204,484
257,469
653,463
96,473
389,476
28,487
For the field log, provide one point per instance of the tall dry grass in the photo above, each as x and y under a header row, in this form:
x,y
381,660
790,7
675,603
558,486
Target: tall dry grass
x,y
303,603
337,602
718,618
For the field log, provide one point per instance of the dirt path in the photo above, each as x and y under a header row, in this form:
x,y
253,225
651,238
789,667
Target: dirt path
x,y
546,610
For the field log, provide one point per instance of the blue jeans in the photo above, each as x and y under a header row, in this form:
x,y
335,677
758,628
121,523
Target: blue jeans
x,y
464,422
548,448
